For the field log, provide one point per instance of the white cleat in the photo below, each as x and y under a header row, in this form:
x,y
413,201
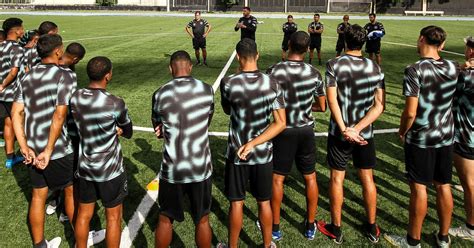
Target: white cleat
x,y
54,243
399,241
462,232
95,237
51,207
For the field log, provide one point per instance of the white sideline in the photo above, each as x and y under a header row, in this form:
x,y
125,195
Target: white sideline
x,y
224,71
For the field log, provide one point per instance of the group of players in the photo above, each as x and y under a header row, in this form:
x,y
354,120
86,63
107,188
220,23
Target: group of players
x,y
199,28
270,128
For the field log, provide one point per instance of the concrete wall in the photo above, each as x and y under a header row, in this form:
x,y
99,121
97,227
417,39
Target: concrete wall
x,y
63,2
142,2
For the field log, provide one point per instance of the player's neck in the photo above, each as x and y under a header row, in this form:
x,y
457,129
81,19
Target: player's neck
x,y
357,53
429,52
296,57
97,85
65,60
249,66
12,37
180,74
50,60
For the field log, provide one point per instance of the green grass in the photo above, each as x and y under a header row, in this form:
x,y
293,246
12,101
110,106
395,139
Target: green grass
x,y
140,47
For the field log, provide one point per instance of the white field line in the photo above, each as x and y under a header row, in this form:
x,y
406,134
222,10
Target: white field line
x,y
215,86
130,231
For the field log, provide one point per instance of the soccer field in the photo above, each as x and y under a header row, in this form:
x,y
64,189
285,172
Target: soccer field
x,y
139,48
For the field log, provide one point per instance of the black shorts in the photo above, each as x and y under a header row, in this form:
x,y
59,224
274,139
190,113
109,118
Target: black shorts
x,y
284,44
340,45
315,43
112,192
5,109
57,175
372,46
425,165
294,145
171,199
236,178
199,43
464,151
339,152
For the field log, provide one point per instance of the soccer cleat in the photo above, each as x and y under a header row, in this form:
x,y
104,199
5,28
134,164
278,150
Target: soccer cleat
x,y
310,234
320,62
221,245
273,245
373,235
13,161
399,241
51,207
54,243
205,63
442,243
327,229
63,218
198,63
462,232
95,237
277,235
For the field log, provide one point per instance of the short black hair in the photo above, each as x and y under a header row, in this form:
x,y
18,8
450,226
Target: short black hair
x,y
10,23
76,49
290,16
180,55
47,43
98,67
433,35
246,48
317,15
299,42
47,26
197,12
372,14
355,37
247,8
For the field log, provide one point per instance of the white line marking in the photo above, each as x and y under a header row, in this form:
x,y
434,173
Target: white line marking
x,y
215,86
408,45
130,231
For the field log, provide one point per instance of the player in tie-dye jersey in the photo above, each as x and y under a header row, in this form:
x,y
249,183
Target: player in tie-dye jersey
x,y
427,129
464,140
303,89
251,98
356,97
182,110
39,120
12,70
32,57
100,118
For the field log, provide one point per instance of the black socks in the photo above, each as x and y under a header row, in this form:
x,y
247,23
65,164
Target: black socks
x,y
411,241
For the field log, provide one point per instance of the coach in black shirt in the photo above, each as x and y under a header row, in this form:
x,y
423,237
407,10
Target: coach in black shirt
x,y
247,25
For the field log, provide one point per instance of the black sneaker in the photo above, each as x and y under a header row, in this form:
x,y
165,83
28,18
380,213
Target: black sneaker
x,y
373,234
320,62
328,230
198,63
205,63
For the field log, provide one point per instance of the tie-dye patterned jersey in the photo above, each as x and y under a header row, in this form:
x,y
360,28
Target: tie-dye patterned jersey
x,y
12,55
464,108
300,83
434,83
251,98
356,79
42,89
184,106
31,57
97,114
